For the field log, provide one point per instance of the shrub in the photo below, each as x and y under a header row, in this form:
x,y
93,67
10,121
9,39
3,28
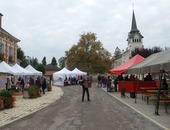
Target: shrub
x,y
34,92
1,103
8,99
49,87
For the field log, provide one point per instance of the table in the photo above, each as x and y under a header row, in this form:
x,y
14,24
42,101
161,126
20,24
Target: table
x,y
145,93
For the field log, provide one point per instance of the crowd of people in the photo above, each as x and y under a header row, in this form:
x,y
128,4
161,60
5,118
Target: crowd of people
x,y
40,82
112,83
108,82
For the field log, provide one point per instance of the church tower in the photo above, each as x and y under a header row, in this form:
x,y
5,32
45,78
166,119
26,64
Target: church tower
x,y
135,39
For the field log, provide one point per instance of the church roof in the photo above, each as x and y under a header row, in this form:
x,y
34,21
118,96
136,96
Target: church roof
x,y
134,26
134,29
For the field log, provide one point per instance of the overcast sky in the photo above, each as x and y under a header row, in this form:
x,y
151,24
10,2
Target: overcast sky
x,y
50,27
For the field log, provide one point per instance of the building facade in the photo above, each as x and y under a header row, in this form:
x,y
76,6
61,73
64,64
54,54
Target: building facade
x,y
8,45
134,40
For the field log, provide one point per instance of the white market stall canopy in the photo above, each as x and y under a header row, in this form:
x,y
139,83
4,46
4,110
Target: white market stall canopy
x,y
152,64
60,76
5,68
78,72
22,70
32,70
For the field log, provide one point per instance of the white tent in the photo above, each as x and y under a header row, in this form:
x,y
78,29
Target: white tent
x,y
32,70
22,70
59,76
152,64
5,68
78,72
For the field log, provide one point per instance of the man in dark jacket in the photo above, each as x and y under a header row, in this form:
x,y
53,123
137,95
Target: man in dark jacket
x,y
44,86
86,83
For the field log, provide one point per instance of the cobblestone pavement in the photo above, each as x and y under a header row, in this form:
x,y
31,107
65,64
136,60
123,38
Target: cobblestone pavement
x,y
24,107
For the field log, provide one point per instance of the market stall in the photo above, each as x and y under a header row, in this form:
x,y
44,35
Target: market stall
x,y
133,86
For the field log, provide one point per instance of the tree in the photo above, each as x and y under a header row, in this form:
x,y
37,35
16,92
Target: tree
x,y
117,53
145,52
61,62
40,67
33,61
44,61
53,61
21,56
88,55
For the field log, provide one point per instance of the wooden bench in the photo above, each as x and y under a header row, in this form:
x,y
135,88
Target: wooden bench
x,y
163,100
147,95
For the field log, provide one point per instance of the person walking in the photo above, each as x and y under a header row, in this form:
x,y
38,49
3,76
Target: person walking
x,y
99,80
44,86
86,83
109,83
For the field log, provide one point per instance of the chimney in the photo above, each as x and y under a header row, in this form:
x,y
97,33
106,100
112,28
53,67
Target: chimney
x,y
1,20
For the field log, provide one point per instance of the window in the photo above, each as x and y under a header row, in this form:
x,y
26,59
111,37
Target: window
x,y
1,52
10,57
1,48
10,51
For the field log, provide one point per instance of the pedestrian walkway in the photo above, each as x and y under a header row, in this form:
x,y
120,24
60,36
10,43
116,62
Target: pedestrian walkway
x,y
24,107
147,110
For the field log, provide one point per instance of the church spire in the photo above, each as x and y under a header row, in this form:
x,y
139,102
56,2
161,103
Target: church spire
x,y
134,26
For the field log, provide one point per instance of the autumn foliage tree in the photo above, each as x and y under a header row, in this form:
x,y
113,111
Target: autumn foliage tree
x,y
88,55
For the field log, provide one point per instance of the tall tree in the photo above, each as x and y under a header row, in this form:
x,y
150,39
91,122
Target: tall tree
x,y
61,62
40,67
21,56
117,53
53,61
89,55
44,61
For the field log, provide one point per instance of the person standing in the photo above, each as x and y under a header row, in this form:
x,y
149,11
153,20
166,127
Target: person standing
x,y
99,80
116,83
164,85
22,84
8,84
44,86
109,83
38,83
86,83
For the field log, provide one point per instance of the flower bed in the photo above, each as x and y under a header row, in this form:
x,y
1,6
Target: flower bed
x,y
8,99
17,93
49,87
1,103
33,91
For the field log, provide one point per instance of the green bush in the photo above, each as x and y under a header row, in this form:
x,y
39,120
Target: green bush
x,y
34,92
5,93
49,87
8,99
1,103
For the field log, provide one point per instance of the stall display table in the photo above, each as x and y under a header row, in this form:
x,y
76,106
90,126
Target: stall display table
x,y
135,86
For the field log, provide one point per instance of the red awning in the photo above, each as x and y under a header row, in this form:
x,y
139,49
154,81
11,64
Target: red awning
x,y
122,68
